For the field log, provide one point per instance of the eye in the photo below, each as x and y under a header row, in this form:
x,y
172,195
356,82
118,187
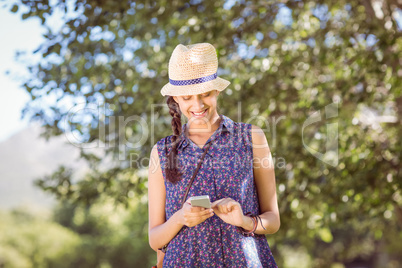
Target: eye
x,y
206,94
186,97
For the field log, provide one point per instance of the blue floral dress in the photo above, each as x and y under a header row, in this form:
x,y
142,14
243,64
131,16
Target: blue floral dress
x,y
227,171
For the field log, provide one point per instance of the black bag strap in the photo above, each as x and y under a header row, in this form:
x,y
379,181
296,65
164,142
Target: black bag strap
x,y
195,172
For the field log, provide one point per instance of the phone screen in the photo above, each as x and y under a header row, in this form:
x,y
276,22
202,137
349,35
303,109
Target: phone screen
x,y
200,201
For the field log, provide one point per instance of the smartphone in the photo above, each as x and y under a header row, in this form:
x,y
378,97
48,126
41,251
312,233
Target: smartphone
x,y
200,201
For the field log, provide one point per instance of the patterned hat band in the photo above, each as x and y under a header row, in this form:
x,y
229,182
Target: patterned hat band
x,y
193,81
199,64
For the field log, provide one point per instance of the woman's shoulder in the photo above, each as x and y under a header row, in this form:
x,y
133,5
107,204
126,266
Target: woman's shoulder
x,y
257,136
165,141
235,127
164,145
251,133
242,126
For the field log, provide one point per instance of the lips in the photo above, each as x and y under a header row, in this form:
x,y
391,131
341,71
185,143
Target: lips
x,y
203,113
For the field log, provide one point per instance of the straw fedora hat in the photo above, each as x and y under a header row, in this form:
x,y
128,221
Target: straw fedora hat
x,y
193,70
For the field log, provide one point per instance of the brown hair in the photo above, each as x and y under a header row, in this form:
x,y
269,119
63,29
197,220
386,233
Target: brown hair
x,y
172,172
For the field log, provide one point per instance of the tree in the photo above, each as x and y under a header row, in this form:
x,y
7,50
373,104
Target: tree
x,y
31,241
286,60
102,235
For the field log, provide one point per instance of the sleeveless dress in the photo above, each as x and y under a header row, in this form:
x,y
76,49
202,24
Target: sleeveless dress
x,y
227,171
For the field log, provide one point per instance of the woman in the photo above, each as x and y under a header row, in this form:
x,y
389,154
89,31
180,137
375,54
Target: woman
x,y
237,173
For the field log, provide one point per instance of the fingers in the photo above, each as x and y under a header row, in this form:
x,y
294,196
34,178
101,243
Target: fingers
x,y
197,209
213,204
200,214
223,208
207,216
225,205
193,218
189,207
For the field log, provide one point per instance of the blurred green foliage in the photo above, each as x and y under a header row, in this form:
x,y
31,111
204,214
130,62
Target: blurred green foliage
x,y
102,235
285,59
29,241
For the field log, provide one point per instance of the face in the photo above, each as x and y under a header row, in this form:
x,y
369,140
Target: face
x,y
199,109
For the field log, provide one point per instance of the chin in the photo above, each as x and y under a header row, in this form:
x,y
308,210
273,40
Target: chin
x,y
200,121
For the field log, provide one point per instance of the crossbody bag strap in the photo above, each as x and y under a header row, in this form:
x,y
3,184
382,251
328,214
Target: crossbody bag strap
x,y
195,173
163,249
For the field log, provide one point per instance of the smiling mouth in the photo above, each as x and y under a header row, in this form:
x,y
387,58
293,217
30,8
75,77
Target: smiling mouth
x,y
200,114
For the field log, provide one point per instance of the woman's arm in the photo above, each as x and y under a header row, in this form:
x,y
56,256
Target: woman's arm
x,y
160,230
230,211
264,177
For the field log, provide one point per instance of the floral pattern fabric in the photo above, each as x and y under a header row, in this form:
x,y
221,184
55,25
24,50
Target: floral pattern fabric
x,y
227,171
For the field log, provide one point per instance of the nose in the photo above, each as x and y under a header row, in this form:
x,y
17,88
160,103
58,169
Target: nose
x,y
198,104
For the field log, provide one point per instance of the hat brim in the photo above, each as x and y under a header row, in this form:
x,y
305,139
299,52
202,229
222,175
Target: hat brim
x,y
216,84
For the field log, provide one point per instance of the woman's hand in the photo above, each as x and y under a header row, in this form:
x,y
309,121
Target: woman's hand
x,y
229,211
192,216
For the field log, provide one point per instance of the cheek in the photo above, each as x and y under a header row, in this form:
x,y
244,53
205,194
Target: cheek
x,y
211,103
183,107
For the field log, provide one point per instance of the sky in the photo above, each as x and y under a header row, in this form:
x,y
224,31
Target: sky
x,y
16,34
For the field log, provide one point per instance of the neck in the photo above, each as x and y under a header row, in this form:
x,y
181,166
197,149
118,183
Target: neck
x,y
208,127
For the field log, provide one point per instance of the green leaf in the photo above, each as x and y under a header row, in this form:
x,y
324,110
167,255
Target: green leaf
x,y
325,235
14,9
25,16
